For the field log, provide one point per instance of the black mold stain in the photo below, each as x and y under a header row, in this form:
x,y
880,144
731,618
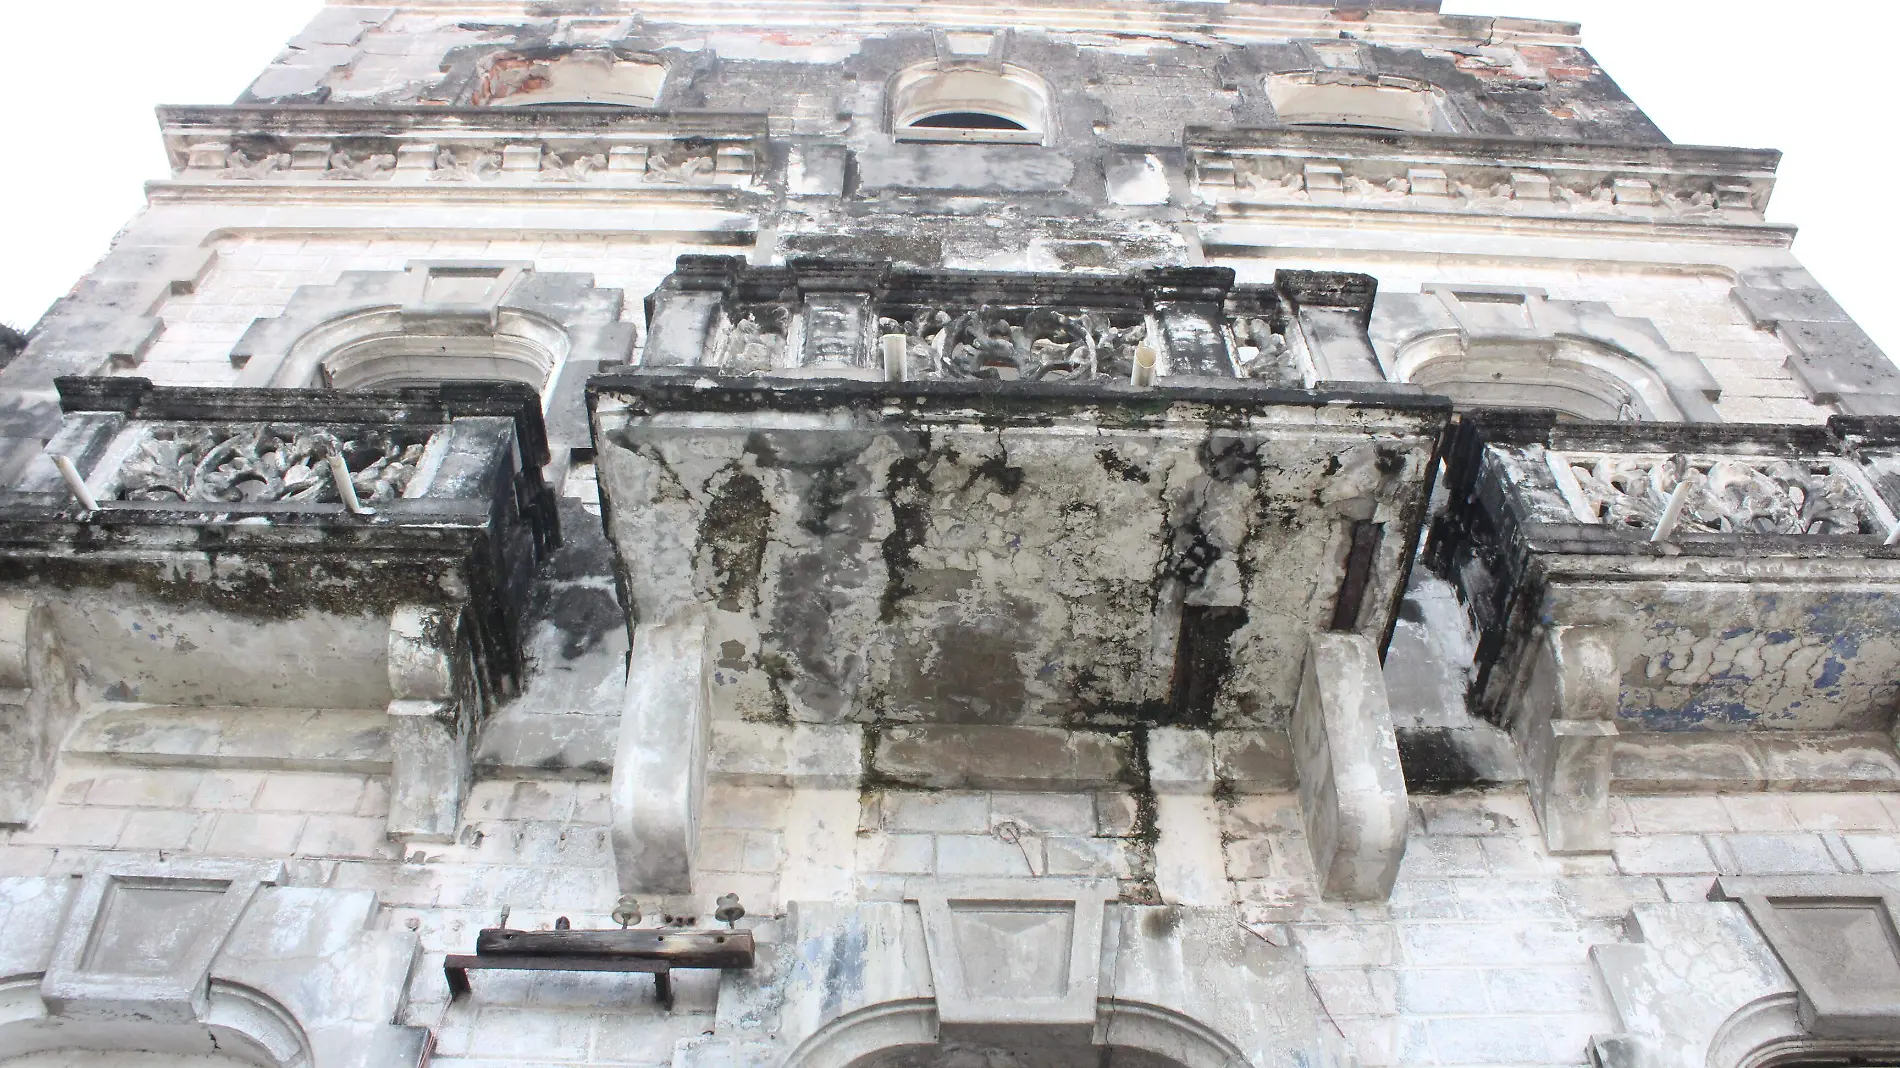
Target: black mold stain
x,y
1434,762
1115,465
734,529
907,489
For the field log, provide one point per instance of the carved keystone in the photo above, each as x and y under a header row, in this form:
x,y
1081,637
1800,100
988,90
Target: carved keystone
x,y
436,697
36,705
1014,960
1839,940
1563,718
1352,791
139,938
660,759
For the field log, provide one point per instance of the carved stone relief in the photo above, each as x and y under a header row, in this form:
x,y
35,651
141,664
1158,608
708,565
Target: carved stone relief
x,y
268,462
1730,495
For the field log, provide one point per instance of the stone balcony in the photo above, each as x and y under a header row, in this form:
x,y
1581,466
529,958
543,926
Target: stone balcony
x,y
946,511
1671,608
216,592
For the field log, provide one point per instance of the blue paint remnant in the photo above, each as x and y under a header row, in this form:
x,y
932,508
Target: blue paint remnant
x,y
1736,632
135,626
1716,705
1831,671
1780,637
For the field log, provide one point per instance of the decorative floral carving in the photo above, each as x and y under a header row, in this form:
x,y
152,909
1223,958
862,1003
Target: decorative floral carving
x,y
574,167
466,165
238,164
680,164
1284,178
1034,344
265,462
357,167
1726,495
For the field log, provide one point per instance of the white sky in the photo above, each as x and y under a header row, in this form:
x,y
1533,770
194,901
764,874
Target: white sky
x,y
1757,73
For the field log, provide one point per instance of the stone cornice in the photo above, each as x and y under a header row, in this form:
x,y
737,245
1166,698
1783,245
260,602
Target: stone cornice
x,y
1240,22
1239,169
519,146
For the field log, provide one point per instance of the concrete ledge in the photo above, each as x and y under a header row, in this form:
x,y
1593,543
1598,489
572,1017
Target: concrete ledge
x,y
1255,762
1829,761
256,739
972,757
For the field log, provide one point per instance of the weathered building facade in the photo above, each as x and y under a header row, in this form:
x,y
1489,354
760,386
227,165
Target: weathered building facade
x,y
1069,532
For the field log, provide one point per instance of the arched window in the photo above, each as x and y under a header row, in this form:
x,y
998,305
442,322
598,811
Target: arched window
x,y
589,76
1303,99
378,349
961,104
1575,378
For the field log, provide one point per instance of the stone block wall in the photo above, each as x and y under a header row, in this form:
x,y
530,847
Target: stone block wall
x,y
1481,957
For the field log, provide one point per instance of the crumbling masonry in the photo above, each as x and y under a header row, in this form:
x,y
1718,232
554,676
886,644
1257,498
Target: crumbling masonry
x,y
1045,534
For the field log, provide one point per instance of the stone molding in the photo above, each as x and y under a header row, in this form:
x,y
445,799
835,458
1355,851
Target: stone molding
x,y
1239,169
1190,986
1768,969
1507,326
196,955
1828,353
545,146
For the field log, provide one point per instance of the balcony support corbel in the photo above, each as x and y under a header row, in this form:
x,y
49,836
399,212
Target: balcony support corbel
x,y
1563,716
37,705
436,698
659,780
1352,790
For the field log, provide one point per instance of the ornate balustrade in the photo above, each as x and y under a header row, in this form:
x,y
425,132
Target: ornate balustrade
x,y
276,541
835,318
1679,607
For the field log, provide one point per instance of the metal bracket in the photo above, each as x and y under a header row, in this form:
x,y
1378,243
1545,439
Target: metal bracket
x,y
656,952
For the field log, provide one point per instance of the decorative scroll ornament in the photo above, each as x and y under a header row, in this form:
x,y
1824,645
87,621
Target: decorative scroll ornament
x,y
1764,496
263,463
1035,344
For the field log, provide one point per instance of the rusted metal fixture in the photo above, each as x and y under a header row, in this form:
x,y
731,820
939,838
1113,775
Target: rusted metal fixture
x,y
654,951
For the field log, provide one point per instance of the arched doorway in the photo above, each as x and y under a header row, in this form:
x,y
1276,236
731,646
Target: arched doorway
x,y
964,1056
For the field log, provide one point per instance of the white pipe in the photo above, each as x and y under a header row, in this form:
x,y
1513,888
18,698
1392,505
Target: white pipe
x,y
340,474
1893,536
1672,512
896,356
73,482
1143,375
